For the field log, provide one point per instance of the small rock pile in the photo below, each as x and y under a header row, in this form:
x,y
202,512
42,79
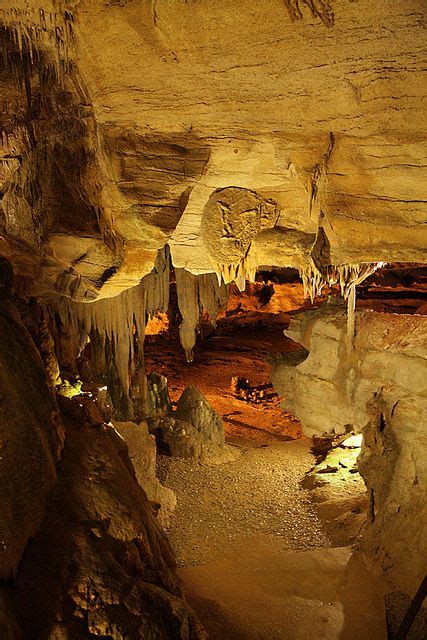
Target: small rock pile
x,y
242,389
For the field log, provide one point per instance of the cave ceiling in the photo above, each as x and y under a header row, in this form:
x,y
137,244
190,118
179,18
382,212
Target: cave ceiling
x,y
297,125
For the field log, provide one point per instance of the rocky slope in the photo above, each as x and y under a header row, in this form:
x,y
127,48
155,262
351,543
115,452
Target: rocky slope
x,y
80,544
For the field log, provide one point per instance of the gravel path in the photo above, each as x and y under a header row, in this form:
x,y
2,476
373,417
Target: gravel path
x,y
254,500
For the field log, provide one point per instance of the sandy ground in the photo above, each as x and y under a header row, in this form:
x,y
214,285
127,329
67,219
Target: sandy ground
x,y
253,500
322,594
255,559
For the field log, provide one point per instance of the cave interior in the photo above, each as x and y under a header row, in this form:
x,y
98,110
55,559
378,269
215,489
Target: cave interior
x,y
213,300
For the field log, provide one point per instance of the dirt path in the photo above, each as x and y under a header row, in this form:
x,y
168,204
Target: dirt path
x,y
255,500
254,558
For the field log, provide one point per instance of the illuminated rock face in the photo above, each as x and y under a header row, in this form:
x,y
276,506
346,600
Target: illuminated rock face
x,y
330,383
141,114
379,388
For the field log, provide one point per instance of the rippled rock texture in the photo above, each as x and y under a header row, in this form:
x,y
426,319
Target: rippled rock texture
x,y
124,123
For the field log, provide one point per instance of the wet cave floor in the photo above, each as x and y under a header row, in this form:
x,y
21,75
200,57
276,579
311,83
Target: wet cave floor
x,y
254,554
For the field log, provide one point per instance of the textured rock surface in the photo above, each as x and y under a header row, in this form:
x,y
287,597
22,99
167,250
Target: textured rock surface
x,y
158,401
195,409
121,122
142,452
194,430
393,463
100,565
128,117
379,388
31,438
328,385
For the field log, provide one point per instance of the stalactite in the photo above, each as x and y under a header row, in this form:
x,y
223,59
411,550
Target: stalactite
x,y
38,30
114,319
156,283
188,303
347,276
197,293
117,324
351,313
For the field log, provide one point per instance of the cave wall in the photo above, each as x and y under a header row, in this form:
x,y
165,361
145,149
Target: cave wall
x,y
100,565
377,386
281,133
82,552
31,437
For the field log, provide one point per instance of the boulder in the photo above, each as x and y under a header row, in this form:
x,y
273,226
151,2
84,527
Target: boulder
x,y
180,438
193,408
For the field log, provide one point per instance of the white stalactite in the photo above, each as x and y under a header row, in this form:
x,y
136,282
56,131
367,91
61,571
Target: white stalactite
x,y
117,319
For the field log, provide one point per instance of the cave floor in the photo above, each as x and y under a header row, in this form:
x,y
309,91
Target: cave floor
x,y
255,558
234,350
259,594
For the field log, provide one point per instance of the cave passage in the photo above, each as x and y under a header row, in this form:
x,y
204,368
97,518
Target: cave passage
x,y
241,524
213,300
235,354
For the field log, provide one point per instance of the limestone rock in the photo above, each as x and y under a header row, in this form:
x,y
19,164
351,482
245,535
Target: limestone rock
x,y
193,407
100,565
231,219
194,430
142,452
31,438
378,388
158,401
180,438
393,463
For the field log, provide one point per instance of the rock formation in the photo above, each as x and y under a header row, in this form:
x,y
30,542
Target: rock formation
x,y
378,388
95,562
31,438
115,565
194,408
142,452
194,142
194,430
